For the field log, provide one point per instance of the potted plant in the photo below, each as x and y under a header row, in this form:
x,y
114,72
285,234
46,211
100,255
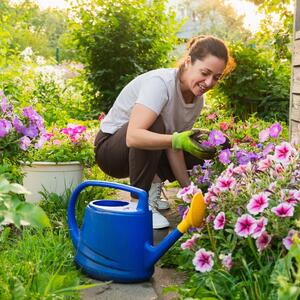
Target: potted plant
x,y
58,164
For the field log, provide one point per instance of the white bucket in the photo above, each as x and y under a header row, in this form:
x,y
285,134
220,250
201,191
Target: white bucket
x,y
51,177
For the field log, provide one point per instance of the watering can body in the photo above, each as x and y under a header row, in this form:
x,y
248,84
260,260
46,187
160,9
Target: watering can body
x,y
115,241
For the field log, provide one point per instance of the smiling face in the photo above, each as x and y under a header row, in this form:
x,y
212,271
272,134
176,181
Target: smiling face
x,y
200,76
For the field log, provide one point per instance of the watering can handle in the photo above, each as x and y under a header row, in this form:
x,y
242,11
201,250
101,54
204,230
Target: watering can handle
x,y
73,227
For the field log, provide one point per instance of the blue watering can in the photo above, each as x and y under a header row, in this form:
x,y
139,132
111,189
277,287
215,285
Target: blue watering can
x,y
116,237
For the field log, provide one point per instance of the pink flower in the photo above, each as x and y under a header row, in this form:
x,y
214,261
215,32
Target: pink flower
x,y
264,164
219,221
264,135
187,192
263,241
226,261
224,156
190,243
211,116
288,240
224,126
245,225
275,130
203,260
283,152
260,227
283,210
226,183
257,203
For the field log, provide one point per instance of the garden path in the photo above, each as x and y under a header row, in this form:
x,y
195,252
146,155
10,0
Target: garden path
x,y
162,277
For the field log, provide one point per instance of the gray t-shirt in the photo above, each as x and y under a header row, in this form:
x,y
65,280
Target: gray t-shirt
x,y
160,91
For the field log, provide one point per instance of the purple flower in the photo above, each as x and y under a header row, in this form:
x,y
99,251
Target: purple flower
x,y
17,123
5,127
245,225
216,138
203,260
275,130
242,157
31,131
288,241
24,142
224,156
270,147
4,104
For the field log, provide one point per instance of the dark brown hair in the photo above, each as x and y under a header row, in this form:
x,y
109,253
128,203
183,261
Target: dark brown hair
x,y
203,45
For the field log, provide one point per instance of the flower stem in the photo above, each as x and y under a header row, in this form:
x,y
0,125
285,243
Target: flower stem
x,y
250,242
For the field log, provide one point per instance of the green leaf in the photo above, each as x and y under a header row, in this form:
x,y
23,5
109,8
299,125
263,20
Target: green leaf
x,y
18,189
33,214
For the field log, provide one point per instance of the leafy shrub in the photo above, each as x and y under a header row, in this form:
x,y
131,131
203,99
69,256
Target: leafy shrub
x,y
121,39
257,84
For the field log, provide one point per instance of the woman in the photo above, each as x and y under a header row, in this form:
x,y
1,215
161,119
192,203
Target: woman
x,y
146,133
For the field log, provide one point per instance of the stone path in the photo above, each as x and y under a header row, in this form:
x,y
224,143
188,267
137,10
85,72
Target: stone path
x,y
162,277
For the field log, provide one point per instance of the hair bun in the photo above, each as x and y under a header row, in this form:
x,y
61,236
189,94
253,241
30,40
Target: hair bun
x,y
193,41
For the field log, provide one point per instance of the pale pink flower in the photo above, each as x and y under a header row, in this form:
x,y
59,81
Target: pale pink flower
x,y
263,241
187,193
288,240
219,221
264,164
264,135
226,261
283,152
203,260
260,227
283,210
245,225
226,183
258,203
190,243
241,169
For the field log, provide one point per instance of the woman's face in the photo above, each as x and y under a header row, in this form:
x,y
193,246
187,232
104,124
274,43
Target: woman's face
x,y
202,75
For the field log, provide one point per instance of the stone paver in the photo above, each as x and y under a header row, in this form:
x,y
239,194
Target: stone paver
x,y
162,277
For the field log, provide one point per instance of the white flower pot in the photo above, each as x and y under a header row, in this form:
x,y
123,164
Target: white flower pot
x,y
51,177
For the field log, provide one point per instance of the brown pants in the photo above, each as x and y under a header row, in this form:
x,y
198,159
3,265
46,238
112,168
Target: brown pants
x,y
117,160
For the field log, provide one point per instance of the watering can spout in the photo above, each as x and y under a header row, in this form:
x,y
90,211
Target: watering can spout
x,y
194,218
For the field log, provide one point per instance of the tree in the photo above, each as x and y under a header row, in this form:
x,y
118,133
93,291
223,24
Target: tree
x,y
120,39
216,18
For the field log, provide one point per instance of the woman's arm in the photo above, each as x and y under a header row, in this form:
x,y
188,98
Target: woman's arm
x,y
138,135
178,166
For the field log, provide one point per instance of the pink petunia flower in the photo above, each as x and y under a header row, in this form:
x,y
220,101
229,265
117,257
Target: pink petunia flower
x,y
226,261
212,116
264,164
283,210
224,156
275,130
260,227
245,225
288,240
226,183
264,135
187,193
263,241
219,221
258,203
203,260
190,243
283,152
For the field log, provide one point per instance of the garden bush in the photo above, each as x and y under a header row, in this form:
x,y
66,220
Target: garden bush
x,y
119,40
258,84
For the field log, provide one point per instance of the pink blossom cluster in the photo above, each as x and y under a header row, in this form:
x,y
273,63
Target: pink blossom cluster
x,y
257,200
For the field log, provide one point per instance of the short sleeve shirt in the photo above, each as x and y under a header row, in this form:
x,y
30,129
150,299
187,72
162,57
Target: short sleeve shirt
x,y
159,90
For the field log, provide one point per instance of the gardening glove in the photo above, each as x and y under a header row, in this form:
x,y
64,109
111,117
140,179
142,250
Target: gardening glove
x,y
186,141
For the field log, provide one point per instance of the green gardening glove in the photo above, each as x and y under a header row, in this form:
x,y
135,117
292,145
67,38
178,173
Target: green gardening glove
x,y
184,141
